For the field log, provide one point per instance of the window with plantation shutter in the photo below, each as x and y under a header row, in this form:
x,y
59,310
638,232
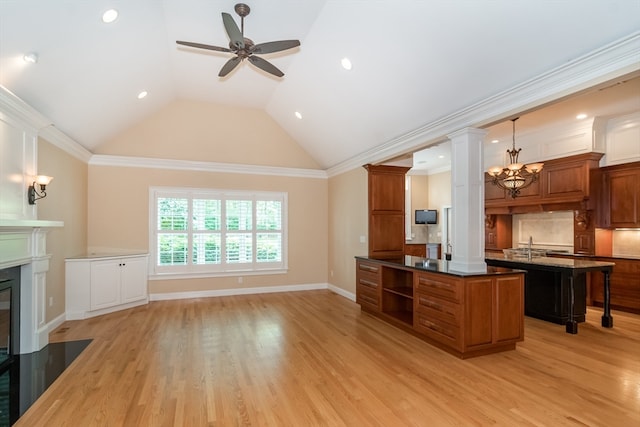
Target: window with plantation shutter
x,y
217,232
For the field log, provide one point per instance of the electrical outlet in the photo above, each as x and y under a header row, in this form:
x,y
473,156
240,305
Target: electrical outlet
x,y
331,272
240,279
50,301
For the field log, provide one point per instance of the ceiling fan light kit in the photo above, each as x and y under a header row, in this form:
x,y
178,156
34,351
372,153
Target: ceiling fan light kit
x,y
243,47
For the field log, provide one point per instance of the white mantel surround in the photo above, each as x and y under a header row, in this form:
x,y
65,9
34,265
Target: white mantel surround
x,y
23,243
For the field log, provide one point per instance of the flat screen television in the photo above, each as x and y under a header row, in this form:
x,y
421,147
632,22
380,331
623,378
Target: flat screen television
x,y
426,216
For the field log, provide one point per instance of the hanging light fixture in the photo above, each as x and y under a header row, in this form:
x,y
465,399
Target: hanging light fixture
x,y
515,176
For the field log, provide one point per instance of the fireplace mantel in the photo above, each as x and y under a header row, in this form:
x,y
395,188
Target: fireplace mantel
x,y
24,243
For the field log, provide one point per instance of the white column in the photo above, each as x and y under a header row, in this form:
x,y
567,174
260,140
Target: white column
x,y
467,199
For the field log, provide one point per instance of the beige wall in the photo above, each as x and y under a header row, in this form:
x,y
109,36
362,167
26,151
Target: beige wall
x,y
347,222
119,219
439,188
192,130
66,201
419,194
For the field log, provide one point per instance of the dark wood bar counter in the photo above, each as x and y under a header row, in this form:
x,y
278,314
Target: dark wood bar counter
x,y
555,287
466,314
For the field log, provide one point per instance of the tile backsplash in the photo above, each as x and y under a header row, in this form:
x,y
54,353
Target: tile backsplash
x,y
549,230
626,243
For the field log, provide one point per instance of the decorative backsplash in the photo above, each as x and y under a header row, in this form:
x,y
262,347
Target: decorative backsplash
x,y
626,243
549,230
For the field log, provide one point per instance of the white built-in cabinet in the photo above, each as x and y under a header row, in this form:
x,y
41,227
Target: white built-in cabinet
x,y
99,284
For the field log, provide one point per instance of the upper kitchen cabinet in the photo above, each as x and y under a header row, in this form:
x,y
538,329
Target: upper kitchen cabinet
x,y
618,199
386,210
563,184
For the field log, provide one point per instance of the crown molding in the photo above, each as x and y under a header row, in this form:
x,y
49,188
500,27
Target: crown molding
x,y
20,110
64,142
144,162
598,66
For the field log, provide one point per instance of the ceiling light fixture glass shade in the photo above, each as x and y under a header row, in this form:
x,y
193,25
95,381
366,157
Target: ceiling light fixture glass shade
x,y
515,176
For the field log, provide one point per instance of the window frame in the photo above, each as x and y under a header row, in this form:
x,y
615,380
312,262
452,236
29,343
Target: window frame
x,y
190,270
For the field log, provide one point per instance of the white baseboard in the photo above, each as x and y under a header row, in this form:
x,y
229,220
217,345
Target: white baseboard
x,y
348,295
249,291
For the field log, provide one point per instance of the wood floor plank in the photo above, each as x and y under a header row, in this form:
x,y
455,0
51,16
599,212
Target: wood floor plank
x,y
314,359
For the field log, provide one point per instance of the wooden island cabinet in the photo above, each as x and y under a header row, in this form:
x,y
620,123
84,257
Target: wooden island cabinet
x,y
466,314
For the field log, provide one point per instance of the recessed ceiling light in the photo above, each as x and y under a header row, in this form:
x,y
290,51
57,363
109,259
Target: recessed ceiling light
x,y
143,94
109,16
581,116
346,63
298,115
495,141
31,58
441,156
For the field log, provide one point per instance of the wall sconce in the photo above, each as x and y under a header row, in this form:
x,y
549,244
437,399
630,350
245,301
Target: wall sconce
x,y
41,181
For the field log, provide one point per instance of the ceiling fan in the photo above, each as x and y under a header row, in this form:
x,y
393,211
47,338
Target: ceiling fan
x,y
243,47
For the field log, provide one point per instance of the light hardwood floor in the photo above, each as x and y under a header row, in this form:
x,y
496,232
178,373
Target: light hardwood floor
x,y
313,359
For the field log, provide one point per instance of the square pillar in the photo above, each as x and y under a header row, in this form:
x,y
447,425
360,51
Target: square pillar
x,y
467,200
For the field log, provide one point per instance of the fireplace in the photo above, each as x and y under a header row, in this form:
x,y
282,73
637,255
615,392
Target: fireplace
x,y
23,257
9,315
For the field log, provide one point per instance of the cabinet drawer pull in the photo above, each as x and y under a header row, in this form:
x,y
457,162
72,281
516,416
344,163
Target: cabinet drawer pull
x,y
431,304
368,268
368,283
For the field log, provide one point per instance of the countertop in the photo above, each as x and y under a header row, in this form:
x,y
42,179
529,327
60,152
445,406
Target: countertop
x,y
612,257
551,262
437,266
83,257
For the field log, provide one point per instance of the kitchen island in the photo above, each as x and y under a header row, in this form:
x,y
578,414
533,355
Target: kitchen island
x,y
555,288
466,314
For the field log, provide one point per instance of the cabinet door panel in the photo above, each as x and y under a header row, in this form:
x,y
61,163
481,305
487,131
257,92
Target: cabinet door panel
x,y
624,187
566,181
134,279
105,284
478,316
509,308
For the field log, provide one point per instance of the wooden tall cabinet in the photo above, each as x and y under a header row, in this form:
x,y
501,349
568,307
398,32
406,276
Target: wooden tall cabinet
x,y
619,196
386,210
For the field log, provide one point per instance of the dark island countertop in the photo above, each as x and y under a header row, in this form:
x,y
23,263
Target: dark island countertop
x,y
437,266
551,262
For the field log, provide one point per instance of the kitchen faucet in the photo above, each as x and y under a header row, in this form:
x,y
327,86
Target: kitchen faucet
x,y
530,244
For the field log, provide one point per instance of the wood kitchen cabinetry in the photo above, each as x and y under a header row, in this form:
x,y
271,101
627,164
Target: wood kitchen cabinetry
x,y
497,232
415,249
563,184
466,315
386,193
618,197
624,285
97,285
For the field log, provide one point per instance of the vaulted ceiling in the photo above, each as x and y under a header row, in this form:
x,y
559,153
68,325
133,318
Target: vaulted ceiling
x,y
420,68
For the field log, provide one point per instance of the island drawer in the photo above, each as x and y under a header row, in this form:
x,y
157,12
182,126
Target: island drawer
x,y
367,290
437,308
439,286
367,268
437,329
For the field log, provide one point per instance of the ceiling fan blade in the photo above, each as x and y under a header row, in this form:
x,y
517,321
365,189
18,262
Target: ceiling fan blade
x,y
266,66
229,66
203,46
233,31
271,47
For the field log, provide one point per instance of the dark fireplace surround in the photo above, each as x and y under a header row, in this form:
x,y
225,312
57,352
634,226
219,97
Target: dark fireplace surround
x,y
9,315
